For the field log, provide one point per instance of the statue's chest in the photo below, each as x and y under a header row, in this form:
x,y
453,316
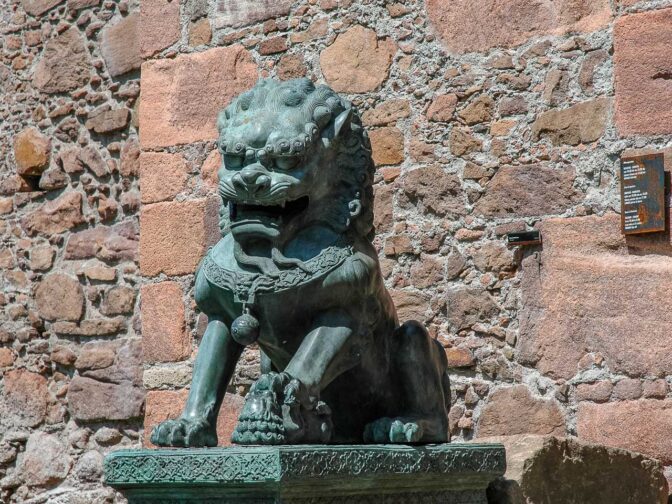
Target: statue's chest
x,y
253,288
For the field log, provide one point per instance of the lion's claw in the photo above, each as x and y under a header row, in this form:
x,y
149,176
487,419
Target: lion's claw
x,y
184,432
392,430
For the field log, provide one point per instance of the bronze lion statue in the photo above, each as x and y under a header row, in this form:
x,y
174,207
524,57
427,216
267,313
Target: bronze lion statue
x,y
298,275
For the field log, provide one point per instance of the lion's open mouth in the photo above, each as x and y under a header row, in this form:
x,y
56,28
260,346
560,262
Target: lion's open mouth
x,y
243,213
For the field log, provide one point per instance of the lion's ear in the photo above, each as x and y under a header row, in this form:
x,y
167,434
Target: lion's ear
x,y
342,122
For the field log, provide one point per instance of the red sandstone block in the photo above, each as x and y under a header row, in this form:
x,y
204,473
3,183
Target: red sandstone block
x,y
358,61
514,410
162,176
174,235
273,45
642,426
643,72
25,397
159,25
164,337
181,97
209,170
387,145
246,12
120,45
164,404
574,301
509,23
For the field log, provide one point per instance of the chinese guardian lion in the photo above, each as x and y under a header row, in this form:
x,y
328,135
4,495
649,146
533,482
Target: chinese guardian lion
x,y
298,275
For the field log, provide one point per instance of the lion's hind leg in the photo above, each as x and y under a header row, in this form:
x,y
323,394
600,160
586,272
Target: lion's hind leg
x,y
420,408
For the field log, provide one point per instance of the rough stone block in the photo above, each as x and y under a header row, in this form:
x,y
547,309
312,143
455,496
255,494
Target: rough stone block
x,y
162,176
642,426
433,191
181,97
39,7
65,64
60,297
463,142
90,327
597,392
118,300
175,235
105,121
581,123
166,404
510,23
109,243
643,73
357,61
55,216
6,357
513,410
209,170
76,5
387,112
160,22
387,145
46,461
442,108
200,33
469,305
32,151
383,207
164,337
528,190
588,295
291,66
478,111
25,397
545,469
238,13
120,45
411,305
91,400
96,355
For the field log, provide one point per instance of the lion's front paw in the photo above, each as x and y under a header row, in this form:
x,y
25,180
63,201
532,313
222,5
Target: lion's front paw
x,y
184,432
306,418
392,430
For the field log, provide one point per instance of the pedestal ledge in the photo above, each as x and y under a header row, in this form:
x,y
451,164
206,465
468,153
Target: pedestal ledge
x,y
446,473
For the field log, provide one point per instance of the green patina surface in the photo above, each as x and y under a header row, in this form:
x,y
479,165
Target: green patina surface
x,y
447,473
298,274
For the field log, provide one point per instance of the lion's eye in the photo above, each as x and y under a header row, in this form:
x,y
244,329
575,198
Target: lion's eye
x,y
231,161
286,163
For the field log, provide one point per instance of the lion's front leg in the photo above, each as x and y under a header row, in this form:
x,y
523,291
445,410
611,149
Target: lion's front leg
x,y
285,407
215,363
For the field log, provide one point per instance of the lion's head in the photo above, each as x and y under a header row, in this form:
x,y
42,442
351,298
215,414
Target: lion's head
x,y
294,154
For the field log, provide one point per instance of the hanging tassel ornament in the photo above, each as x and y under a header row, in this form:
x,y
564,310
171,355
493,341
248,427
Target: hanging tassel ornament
x,y
245,329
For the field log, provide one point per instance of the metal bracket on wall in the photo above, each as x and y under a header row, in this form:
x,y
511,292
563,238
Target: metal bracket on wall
x,y
522,238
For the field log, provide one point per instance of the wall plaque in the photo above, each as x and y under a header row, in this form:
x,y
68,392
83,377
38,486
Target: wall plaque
x,y
642,194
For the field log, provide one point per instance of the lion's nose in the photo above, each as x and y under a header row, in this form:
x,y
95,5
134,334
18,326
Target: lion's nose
x,y
251,180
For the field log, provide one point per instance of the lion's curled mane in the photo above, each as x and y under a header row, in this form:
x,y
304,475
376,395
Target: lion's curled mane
x,y
318,107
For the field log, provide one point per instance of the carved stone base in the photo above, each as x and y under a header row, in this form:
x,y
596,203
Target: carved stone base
x,y
334,474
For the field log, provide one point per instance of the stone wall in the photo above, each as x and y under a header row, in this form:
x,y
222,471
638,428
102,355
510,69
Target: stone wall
x,y
483,121
70,348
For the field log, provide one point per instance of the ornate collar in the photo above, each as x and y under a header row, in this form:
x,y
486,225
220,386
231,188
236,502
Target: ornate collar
x,y
245,286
